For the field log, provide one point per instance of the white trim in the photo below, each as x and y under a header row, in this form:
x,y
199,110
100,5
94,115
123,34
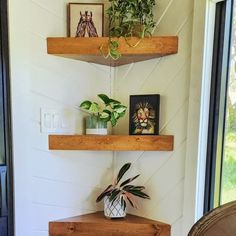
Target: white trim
x,y
216,1
202,50
204,113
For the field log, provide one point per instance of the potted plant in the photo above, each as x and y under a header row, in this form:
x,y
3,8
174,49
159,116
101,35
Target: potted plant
x,y
128,19
117,195
111,111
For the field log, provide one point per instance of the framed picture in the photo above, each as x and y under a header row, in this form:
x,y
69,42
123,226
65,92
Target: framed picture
x,y
85,19
144,114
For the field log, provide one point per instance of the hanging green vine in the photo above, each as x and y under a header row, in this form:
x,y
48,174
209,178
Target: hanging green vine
x,y
128,18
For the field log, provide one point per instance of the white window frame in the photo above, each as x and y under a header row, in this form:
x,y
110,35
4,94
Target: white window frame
x,y
199,99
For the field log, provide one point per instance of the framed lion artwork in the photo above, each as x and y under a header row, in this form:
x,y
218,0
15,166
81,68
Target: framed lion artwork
x,y
144,114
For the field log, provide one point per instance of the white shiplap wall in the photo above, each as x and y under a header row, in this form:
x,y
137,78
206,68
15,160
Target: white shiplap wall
x,y
53,185
50,185
162,173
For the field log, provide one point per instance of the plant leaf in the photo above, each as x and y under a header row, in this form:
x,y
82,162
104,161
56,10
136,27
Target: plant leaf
x,y
106,192
139,194
124,205
120,108
113,119
114,44
128,187
123,202
122,171
94,107
107,111
85,105
104,115
113,103
130,201
104,98
114,195
122,114
129,180
116,115
114,54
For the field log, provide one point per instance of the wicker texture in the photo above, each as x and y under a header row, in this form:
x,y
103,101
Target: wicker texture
x,y
218,222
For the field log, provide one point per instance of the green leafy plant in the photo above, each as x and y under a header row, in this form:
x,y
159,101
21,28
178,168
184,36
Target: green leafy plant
x,y
113,51
123,191
112,110
128,18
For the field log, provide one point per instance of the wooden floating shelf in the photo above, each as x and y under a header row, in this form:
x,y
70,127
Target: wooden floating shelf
x,y
87,49
112,142
96,224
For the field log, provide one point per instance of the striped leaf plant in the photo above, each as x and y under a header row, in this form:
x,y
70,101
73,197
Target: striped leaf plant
x,y
126,192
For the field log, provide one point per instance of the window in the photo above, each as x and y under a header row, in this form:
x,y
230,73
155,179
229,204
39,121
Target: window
x,y
228,177
220,185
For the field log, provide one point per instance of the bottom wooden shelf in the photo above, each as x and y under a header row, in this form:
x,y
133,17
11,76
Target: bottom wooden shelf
x,y
96,224
112,142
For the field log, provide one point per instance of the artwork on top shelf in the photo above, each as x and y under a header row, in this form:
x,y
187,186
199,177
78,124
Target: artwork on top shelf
x,y
85,19
144,114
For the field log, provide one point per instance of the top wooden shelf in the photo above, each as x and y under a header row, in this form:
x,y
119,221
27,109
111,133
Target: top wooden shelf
x,y
96,224
87,49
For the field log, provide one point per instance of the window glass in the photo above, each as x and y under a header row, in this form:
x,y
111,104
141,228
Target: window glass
x,y
228,182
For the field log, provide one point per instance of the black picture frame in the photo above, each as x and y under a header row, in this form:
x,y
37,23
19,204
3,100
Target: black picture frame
x,y
149,114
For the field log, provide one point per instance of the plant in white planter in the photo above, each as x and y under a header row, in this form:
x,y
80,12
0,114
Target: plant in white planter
x,y
128,19
111,111
117,195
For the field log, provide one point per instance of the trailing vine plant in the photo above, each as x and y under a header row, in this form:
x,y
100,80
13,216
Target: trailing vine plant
x,y
128,18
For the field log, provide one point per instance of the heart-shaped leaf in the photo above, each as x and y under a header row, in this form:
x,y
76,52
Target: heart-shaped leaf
x,y
94,107
104,98
85,105
120,108
113,119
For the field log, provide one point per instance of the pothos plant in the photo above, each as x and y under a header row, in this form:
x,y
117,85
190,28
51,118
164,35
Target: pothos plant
x,y
124,191
128,18
112,110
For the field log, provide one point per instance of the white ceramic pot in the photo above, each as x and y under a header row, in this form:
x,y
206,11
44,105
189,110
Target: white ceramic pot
x,y
97,131
113,210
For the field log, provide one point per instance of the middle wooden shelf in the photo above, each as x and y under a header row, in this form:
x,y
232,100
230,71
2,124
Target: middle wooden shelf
x,y
112,142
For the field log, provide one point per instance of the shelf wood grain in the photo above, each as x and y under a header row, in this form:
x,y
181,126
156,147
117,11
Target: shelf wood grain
x,y
95,224
87,49
112,142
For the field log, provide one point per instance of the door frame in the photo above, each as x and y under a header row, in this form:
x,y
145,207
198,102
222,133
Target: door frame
x,y
4,54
